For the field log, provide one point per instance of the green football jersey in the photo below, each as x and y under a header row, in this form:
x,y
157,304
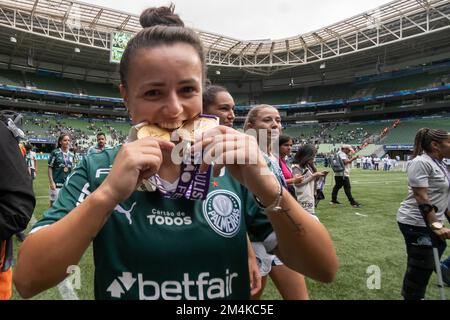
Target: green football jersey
x,y
61,164
152,247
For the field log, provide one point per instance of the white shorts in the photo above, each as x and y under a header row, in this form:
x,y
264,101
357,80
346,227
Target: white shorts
x,y
265,260
54,194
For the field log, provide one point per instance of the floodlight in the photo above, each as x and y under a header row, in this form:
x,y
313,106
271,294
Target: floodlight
x,y
322,65
13,40
77,50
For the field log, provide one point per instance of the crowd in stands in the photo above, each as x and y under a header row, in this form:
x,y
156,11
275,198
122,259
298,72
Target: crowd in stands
x,y
335,133
38,126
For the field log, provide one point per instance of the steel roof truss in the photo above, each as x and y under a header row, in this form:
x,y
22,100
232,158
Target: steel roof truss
x,y
297,58
67,14
440,13
390,23
391,32
414,23
44,29
26,24
5,16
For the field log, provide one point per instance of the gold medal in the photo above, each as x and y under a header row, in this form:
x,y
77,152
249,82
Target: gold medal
x,y
66,169
197,126
151,130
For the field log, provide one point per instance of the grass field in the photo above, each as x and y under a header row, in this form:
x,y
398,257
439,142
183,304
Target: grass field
x,y
364,237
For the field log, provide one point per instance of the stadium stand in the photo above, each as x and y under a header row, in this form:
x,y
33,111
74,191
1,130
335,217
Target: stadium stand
x,y
348,105
98,89
11,77
404,133
49,83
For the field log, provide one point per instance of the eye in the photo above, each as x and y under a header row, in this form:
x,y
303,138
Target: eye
x,y
152,93
187,89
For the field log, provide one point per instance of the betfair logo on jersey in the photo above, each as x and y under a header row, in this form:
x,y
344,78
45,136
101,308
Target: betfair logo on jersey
x,y
222,210
198,288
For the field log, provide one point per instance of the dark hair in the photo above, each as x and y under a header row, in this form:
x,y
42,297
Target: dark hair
x,y
163,16
101,134
161,27
306,153
61,137
210,93
424,138
283,139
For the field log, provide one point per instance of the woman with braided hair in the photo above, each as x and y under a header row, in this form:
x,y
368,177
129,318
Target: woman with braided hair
x,y
421,215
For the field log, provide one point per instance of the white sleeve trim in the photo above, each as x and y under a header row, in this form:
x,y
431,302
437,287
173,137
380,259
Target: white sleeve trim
x,y
38,228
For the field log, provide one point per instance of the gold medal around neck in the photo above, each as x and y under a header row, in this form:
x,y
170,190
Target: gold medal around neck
x,y
151,130
66,169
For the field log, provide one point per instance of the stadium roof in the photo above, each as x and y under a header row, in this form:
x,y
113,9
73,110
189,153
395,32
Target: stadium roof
x,y
50,30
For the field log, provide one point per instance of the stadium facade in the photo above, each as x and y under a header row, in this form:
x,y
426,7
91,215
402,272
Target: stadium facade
x,y
392,62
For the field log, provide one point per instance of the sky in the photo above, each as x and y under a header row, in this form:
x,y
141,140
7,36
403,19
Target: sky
x,y
254,19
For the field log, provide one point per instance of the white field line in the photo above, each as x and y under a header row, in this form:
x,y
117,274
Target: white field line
x,y
361,215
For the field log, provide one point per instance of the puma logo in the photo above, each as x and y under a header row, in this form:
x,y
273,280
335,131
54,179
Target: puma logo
x,y
127,213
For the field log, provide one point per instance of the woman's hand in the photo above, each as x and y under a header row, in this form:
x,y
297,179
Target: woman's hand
x,y
134,162
298,179
240,154
443,233
321,174
253,269
53,185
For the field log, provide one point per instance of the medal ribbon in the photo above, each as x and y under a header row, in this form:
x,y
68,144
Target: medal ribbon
x,y
66,159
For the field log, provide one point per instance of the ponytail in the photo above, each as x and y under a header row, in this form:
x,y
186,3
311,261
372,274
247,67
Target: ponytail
x,y
424,138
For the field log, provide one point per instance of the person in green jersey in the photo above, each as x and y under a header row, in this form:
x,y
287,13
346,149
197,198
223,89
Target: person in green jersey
x,y
266,121
218,101
101,144
150,245
60,165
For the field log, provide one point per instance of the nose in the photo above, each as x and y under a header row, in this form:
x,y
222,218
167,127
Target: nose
x,y
231,115
274,124
173,105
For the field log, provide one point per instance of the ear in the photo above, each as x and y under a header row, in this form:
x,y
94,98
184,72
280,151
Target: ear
x,y
123,93
435,145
